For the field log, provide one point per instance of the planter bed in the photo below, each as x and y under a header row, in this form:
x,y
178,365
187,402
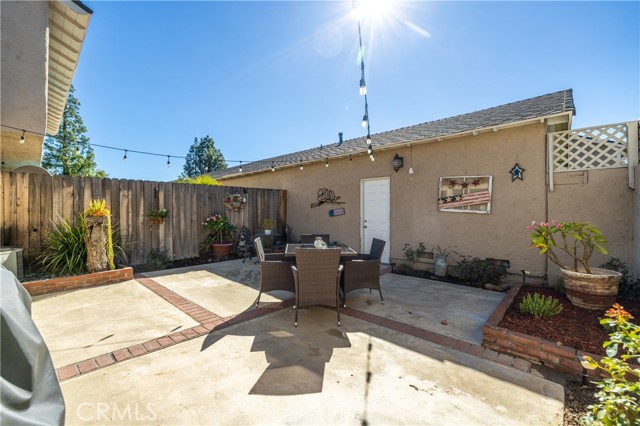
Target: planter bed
x,y
554,342
72,282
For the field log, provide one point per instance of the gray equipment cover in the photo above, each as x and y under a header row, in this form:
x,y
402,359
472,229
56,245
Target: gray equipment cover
x,y
29,387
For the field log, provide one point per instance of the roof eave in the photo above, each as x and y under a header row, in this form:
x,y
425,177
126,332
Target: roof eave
x,y
472,132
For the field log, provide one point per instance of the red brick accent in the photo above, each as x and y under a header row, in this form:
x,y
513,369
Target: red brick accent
x,y
122,354
528,349
88,365
54,285
105,360
68,372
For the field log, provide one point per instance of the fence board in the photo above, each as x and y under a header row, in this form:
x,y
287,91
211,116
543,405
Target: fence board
x,y
30,202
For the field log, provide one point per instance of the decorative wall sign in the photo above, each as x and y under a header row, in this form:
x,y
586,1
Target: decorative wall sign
x,y
471,194
326,196
336,212
234,201
516,172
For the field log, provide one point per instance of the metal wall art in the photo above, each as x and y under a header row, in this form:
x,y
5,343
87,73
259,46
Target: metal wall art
x,y
234,201
326,196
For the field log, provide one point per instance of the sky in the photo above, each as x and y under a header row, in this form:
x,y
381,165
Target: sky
x,y
273,77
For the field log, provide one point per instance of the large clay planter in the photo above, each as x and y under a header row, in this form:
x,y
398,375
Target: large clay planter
x,y
221,250
597,290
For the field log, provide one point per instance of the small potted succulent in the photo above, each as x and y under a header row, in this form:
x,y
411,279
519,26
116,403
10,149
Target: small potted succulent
x,y
157,216
587,287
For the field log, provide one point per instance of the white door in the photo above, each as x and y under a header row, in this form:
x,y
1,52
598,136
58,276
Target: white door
x,y
374,213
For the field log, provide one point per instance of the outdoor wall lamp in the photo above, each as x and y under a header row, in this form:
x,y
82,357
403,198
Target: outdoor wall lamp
x,y
397,163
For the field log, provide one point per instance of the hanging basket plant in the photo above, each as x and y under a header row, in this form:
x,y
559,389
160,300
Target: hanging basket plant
x,y
157,216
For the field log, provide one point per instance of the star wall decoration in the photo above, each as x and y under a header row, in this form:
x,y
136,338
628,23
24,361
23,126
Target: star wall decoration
x,y
475,182
464,185
516,172
453,183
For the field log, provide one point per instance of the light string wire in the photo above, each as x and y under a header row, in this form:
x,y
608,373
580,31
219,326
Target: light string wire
x,y
363,87
267,163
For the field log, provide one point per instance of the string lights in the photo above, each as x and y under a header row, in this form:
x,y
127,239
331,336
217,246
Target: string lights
x,y
363,86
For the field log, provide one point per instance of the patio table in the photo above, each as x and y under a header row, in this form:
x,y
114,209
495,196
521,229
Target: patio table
x,y
290,250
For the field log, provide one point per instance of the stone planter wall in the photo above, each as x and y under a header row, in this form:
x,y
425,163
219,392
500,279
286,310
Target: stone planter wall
x,y
534,349
73,282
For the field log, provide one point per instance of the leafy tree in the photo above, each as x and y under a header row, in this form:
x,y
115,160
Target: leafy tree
x,y
69,153
201,180
203,157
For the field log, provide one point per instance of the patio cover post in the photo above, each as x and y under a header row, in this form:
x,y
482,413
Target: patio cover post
x,y
550,159
632,150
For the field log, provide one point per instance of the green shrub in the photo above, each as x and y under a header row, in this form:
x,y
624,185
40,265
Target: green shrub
x,y
63,250
478,272
411,255
618,396
158,259
540,306
628,287
403,269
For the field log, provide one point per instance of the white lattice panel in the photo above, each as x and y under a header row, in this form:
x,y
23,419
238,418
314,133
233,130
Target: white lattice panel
x,y
604,147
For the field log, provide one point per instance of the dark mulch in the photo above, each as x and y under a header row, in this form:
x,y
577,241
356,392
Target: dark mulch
x,y
577,398
181,263
574,327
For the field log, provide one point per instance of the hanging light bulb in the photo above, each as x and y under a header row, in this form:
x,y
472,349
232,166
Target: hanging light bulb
x,y
125,156
370,151
240,169
368,139
326,162
301,166
350,159
363,87
411,171
365,119
372,157
168,161
273,167
22,138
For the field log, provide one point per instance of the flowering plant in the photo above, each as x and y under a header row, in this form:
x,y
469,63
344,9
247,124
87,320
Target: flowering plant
x,y
162,213
219,228
577,239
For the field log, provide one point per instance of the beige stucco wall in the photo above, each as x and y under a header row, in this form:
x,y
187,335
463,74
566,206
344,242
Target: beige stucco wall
x,y
636,225
414,214
23,84
604,199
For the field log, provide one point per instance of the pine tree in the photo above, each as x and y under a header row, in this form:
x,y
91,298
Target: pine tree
x,y
203,157
69,153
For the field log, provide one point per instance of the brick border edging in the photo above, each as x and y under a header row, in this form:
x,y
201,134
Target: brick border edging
x,y
81,367
73,282
530,348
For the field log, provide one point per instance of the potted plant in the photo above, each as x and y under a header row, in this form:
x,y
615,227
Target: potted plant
x,y
586,287
440,255
268,226
220,230
157,216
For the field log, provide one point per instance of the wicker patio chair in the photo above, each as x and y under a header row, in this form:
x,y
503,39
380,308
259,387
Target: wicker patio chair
x,y
317,278
275,273
246,246
364,270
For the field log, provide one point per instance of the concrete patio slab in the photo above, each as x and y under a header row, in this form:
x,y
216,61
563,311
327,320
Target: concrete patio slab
x,y
265,371
80,324
449,309
225,288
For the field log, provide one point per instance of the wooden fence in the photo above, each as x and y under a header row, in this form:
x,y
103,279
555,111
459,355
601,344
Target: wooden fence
x,y
30,202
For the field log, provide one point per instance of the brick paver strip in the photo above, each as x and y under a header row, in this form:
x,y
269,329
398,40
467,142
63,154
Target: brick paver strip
x,y
68,372
210,322
194,310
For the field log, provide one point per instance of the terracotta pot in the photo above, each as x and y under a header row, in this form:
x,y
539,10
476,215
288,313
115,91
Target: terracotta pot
x,y
597,290
221,250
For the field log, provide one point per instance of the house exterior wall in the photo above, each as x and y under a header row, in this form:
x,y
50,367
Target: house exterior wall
x,y
598,196
602,197
636,225
24,32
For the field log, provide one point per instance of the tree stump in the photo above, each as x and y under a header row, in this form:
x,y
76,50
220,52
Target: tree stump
x,y
96,242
